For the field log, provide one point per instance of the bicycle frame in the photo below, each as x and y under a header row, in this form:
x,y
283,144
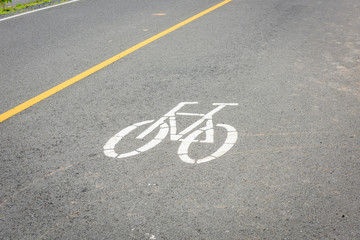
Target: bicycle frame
x,y
171,115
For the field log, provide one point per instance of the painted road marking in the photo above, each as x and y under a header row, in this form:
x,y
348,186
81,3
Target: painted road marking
x,y
208,130
96,68
37,10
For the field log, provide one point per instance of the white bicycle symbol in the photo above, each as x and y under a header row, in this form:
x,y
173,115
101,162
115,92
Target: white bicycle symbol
x,y
174,136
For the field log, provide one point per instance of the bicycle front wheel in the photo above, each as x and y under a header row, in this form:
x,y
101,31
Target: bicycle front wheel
x,y
231,139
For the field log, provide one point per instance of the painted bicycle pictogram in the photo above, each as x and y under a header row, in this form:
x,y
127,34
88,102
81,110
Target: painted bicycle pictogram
x,y
167,123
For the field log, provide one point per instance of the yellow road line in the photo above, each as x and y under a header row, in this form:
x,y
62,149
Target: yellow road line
x,y
96,68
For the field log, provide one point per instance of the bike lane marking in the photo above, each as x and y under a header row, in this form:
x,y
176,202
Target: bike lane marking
x,y
102,65
183,150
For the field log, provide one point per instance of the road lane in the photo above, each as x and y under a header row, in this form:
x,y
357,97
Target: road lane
x,y
293,173
89,34
104,64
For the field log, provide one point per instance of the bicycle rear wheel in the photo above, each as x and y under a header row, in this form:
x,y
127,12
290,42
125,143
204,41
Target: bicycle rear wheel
x,y
109,147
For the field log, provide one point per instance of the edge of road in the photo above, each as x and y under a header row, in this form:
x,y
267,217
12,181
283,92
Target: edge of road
x,y
36,8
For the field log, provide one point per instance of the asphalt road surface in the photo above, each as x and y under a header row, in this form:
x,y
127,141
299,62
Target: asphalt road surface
x,y
281,164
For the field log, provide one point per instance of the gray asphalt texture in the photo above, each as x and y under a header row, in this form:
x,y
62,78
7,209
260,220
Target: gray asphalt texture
x,y
293,67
